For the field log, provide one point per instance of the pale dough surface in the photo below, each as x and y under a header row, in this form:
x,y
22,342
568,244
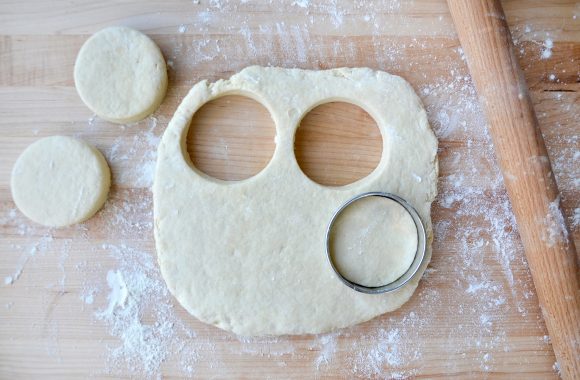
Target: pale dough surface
x,y
249,256
373,241
120,74
59,180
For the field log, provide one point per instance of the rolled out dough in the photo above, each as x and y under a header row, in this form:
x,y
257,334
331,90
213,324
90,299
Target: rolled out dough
x,y
120,74
59,180
249,256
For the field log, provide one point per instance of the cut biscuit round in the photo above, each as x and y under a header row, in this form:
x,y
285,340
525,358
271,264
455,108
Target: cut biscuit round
x,y
120,74
58,181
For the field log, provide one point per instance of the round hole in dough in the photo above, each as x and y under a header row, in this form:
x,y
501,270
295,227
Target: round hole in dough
x,y
320,148
120,74
231,138
373,241
59,180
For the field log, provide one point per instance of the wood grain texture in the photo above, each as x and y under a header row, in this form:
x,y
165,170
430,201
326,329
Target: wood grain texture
x,y
529,179
475,313
231,138
337,144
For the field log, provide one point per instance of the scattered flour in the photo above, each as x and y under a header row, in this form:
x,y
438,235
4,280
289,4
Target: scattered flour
x,y
132,155
386,351
88,299
328,343
555,224
30,250
556,368
301,3
269,347
547,50
118,295
139,313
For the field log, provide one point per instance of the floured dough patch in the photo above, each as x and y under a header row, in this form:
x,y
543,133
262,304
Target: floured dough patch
x,y
249,256
59,180
120,74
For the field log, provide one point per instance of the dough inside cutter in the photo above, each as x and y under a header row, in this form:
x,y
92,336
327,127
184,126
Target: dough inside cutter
x,y
373,241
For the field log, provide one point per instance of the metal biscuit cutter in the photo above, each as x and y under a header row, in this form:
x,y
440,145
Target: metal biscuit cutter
x,y
419,254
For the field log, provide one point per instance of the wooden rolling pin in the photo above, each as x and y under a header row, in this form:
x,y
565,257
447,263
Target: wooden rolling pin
x,y
519,146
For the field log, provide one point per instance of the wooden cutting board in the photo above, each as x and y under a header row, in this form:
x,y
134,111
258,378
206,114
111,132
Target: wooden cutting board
x,y
475,313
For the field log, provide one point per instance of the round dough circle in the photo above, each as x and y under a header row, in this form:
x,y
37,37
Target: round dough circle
x,y
120,74
59,180
373,241
249,256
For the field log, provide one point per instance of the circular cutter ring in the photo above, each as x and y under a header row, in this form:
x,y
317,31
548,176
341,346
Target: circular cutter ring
x,y
419,254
